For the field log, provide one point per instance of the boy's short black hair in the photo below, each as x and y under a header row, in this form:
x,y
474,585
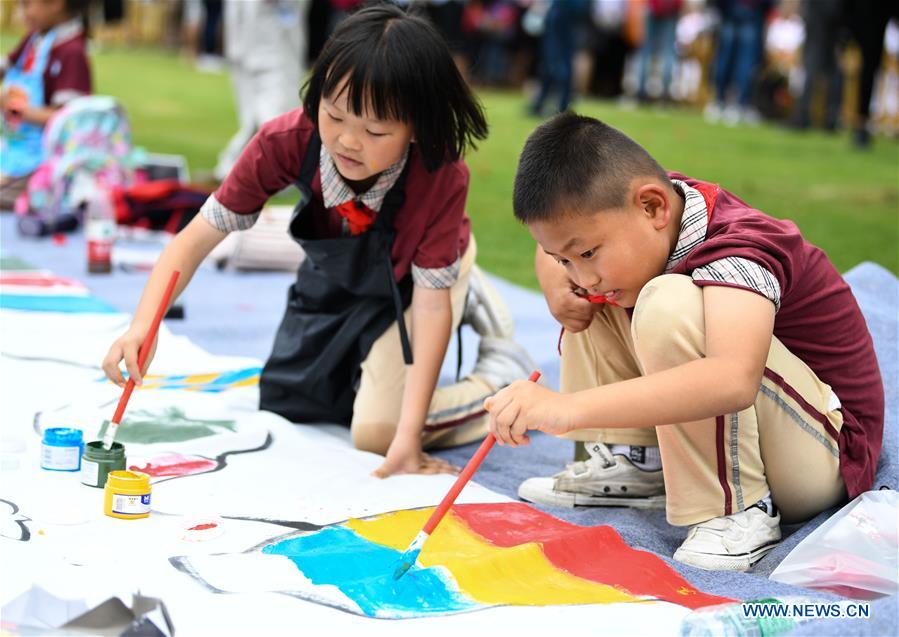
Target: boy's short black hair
x,y
399,67
575,164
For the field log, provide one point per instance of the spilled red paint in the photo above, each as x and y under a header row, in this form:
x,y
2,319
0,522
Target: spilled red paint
x,y
176,465
203,527
595,553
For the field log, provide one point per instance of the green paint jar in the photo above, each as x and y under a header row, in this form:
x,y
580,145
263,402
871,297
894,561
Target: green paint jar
x,y
97,462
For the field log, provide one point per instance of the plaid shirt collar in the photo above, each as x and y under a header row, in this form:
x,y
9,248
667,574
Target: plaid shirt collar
x,y
693,226
335,190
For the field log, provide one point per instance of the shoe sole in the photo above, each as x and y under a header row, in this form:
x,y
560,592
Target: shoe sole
x,y
725,562
571,500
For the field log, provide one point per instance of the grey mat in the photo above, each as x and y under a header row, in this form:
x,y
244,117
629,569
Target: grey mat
x,y
238,313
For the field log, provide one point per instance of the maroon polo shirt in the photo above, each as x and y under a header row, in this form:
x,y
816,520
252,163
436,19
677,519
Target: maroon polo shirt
x,y
67,69
432,229
819,321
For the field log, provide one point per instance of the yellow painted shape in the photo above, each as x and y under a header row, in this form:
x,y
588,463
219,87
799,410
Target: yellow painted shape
x,y
200,379
490,574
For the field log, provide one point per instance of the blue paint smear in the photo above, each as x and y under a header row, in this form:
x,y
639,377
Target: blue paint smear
x,y
363,571
215,386
73,304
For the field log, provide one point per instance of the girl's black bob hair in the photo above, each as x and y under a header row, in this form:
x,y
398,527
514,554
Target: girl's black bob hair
x,y
399,67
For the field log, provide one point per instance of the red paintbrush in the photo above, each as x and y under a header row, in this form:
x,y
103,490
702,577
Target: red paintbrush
x,y
410,555
143,352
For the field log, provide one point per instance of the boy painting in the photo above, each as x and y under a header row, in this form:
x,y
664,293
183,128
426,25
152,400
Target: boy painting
x,y
723,363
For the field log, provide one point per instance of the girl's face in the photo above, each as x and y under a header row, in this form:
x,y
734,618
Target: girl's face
x,y
43,15
362,146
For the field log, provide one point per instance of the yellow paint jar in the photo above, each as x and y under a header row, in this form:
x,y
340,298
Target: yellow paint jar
x,y
127,495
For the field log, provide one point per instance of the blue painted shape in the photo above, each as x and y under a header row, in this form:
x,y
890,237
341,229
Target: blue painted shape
x,y
363,571
53,303
218,385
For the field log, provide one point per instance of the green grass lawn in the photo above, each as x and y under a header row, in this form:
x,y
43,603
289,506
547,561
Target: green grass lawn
x,y
844,200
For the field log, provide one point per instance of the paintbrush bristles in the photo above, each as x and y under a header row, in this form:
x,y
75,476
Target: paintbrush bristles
x,y
410,555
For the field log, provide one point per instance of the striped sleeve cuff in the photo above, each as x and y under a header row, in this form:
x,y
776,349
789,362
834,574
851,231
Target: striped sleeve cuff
x,y
436,278
224,219
742,273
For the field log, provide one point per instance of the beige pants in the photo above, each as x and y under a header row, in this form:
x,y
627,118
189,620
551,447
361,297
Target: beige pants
x,y
786,442
456,415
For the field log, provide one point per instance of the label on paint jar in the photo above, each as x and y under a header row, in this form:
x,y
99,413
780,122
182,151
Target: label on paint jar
x,y
131,504
90,472
60,458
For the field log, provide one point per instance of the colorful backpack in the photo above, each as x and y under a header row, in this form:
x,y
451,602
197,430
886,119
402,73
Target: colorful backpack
x,y
88,147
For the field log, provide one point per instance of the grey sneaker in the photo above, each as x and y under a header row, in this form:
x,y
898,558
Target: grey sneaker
x,y
601,480
485,309
733,542
501,361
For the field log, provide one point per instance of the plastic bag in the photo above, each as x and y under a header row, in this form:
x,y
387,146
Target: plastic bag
x,y
853,554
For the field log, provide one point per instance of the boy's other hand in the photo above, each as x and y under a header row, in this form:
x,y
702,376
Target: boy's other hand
x,y
573,311
126,348
406,456
522,406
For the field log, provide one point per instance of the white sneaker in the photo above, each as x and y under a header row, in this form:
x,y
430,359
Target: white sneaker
x,y
602,480
733,542
712,112
731,115
501,362
485,309
750,116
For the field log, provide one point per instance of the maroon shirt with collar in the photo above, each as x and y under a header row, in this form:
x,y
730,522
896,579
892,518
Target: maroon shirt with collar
x,y
432,229
68,72
819,321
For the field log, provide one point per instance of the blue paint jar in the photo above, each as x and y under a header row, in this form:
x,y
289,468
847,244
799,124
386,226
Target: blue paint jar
x,y
61,449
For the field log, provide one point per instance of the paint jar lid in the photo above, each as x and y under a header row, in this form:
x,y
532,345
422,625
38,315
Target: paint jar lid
x,y
95,451
128,481
63,437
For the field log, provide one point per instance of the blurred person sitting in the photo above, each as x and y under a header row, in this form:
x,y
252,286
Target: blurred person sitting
x,y
694,42
47,69
781,76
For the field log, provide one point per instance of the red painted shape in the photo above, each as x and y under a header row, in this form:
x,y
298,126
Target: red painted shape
x,y
176,465
203,527
595,553
37,280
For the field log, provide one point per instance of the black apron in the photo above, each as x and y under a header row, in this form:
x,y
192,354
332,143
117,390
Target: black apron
x,y
344,299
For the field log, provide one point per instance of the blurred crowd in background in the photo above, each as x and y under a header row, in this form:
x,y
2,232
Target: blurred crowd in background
x,y
806,63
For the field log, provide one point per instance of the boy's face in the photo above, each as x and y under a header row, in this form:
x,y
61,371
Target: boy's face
x,y
362,146
614,253
43,15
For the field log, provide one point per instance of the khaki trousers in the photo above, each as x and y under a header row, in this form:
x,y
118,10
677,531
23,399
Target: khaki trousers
x,y
456,414
10,189
786,442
